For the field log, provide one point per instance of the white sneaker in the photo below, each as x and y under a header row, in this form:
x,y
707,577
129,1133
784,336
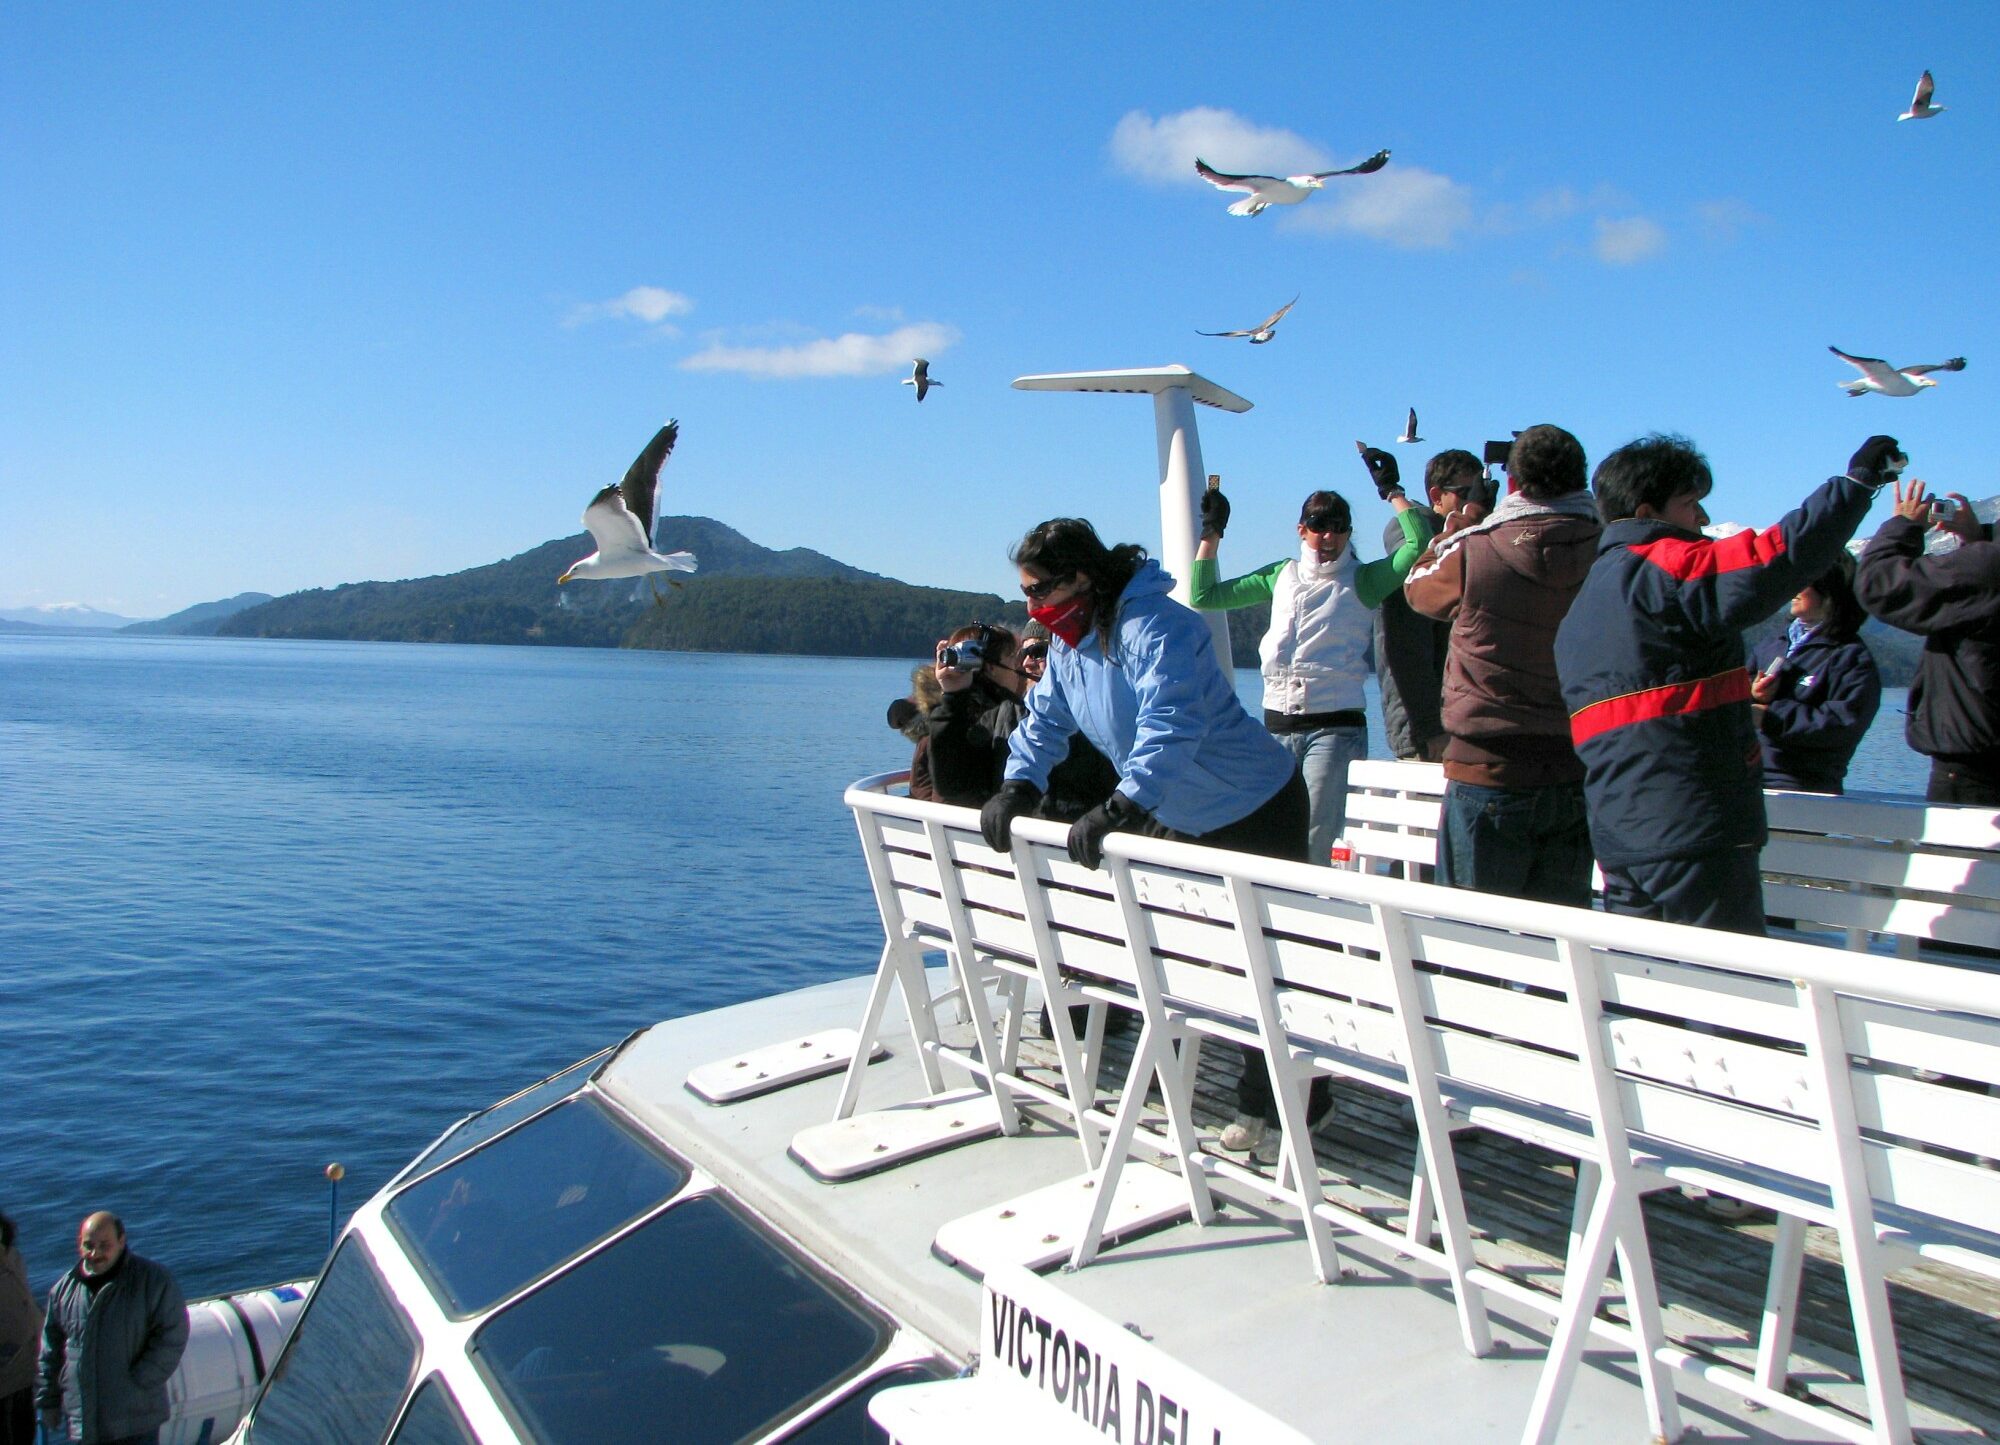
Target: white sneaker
x,y
1269,1148
1242,1134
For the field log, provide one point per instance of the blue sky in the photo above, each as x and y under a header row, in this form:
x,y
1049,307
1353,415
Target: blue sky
x,y
295,295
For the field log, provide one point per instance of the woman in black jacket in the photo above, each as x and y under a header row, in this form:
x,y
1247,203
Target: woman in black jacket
x,y
1816,688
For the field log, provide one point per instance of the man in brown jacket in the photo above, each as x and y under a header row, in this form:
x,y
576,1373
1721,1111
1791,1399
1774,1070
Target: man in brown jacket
x,y
1514,820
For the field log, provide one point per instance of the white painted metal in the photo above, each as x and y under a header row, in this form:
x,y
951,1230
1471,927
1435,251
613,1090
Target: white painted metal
x,y
883,1138
776,1066
1753,1072
1175,391
1038,1229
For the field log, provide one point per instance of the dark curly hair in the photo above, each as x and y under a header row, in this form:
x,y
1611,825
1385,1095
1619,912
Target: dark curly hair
x,y
1546,461
1068,546
1651,471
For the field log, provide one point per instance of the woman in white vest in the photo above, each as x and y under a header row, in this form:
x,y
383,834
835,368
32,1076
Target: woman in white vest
x,y
1315,652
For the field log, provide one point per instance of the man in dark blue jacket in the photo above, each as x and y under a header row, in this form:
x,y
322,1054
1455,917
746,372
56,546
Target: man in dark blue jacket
x,y
1651,662
115,1331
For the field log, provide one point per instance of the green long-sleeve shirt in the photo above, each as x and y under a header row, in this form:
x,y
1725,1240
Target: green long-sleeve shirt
x,y
1372,580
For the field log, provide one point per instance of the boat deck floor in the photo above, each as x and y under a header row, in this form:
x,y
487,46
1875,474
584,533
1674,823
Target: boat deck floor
x,y
1376,1357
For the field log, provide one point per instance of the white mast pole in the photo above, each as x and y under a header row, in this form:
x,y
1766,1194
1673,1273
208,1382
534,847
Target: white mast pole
x,y
1174,390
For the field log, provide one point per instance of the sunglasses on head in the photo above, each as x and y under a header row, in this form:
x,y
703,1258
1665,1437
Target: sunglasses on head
x,y
1036,591
1327,522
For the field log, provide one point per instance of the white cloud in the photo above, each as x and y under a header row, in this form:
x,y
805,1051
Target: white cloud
x,y
650,304
1165,149
851,354
1409,207
1722,221
1628,240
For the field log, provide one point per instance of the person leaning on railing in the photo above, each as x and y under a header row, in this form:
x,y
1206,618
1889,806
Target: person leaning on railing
x,y
1136,673
1952,601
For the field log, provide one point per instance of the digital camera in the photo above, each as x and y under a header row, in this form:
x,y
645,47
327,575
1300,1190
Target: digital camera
x,y
968,655
1942,507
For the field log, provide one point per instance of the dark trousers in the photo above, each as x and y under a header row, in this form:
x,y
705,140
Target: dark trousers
x,y
1962,780
1723,889
1519,842
17,1417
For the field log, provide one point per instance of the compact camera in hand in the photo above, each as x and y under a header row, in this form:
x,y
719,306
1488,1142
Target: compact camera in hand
x,y
1943,507
967,656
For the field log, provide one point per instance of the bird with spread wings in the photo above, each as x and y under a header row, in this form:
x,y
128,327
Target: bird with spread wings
x,y
1263,330
1886,380
1267,191
621,518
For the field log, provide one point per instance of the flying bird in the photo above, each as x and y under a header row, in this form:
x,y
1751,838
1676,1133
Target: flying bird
x,y
1920,106
1409,435
621,519
920,378
1276,191
1878,376
1263,330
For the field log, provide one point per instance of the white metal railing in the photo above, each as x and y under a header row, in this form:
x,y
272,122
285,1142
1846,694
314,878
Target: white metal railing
x,y
1809,1080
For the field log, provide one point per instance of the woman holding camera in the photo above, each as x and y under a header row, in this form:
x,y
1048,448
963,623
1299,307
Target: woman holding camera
x,y
983,676
1136,673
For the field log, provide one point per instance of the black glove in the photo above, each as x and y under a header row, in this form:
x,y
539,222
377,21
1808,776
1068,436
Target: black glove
x,y
1871,465
1382,467
996,819
1214,514
1116,814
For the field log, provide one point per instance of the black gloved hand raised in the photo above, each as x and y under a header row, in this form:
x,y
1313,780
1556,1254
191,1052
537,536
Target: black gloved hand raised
x,y
996,819
1214,514
1116,814
1871,462
1382,467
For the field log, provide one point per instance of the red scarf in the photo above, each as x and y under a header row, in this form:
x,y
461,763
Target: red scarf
x,y
1068,620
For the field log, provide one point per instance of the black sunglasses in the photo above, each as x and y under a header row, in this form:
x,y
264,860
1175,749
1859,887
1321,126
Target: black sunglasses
x,y
1036,591
1034,649
1328,522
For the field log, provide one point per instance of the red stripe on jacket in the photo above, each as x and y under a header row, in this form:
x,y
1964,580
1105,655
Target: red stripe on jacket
x,y
1653,703
1685,559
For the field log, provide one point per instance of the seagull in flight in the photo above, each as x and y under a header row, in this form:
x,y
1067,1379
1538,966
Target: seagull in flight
x,y
1921,107
1878,376
620,520
1263,330
1279,191
1409,435
920,378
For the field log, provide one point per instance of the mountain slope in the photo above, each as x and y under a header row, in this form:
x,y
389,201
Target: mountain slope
x,y
200,620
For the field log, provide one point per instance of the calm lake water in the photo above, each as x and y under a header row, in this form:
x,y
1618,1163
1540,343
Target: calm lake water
x,y
269,904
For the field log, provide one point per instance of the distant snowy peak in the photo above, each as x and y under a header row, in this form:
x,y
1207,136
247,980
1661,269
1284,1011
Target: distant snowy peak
x,y
63,614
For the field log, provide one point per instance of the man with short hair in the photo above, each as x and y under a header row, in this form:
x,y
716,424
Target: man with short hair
x,y
1410,648
1952,601
1514,819
1651,662
115,1331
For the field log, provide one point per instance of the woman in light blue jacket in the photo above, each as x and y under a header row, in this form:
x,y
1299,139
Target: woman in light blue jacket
x,y
1136,673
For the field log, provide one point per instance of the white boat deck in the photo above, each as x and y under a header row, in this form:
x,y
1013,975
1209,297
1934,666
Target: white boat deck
x,y
1377,1357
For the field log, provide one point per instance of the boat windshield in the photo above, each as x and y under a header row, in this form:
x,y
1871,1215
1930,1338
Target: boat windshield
x,y
488,1223
473,1132
349,1361
697,1321
849,1421
433,1418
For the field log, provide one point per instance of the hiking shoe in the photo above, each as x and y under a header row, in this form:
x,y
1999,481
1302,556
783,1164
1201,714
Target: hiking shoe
x,y
1243,1133
1720,1206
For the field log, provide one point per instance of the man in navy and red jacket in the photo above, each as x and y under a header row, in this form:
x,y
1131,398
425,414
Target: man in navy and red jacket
x,y
1652,666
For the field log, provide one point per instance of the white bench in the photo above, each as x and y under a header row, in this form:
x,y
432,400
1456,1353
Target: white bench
x,y
1805,1079
1858,872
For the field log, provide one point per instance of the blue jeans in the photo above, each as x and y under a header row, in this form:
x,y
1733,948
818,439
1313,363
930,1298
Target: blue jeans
x,y
1323,755
1521,842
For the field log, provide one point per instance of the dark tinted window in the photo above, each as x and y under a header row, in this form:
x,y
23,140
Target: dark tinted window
x,y
433,1418
350,1359
507,1113
696,1326
487,1224
848,1424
